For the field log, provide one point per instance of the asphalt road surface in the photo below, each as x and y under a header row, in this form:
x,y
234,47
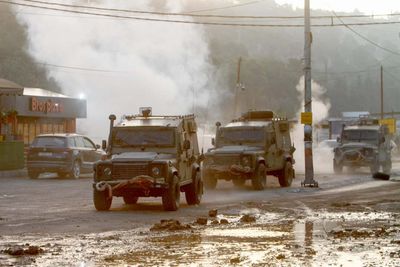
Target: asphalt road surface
x,y
354,221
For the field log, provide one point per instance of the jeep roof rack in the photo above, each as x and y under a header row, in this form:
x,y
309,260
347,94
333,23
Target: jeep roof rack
x,y
146,113
365,120
141,117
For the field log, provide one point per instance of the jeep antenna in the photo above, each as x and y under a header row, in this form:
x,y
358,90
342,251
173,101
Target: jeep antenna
x,y
238,86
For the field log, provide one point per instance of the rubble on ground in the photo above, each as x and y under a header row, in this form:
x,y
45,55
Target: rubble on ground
x,y
202,221
213,213
170,225
21,250
247,218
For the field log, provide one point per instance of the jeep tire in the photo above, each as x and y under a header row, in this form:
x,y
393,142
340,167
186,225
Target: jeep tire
x,y
287,174
130,199
76,169
101,200
259,181
374,167
194,191
387,167
337,167
171,196
33,174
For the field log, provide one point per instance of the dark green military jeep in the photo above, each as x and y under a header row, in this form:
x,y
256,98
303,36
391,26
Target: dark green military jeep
x,y
150,156
366,144
249,148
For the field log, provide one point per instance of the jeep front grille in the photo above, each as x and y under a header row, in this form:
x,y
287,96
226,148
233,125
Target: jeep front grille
x,y
227,160
128,170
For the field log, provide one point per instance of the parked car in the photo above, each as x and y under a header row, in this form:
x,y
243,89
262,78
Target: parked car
x,y
63,153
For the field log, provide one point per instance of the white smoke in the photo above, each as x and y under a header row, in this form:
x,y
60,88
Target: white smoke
x,y
320,108
154,64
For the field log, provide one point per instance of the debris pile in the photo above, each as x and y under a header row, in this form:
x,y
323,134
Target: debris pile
x,y
223,221
202,221
359,233
170,225
20,250
213,213
235,260
247,218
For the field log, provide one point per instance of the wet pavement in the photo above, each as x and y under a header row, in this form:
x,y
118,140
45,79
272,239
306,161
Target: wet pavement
x,y
352,220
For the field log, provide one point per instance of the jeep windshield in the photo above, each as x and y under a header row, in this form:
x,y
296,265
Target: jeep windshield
x,y
239,136
143,136
367,136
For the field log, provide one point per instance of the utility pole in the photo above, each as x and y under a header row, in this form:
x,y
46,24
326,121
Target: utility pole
x,y
238,87
308,153
381,92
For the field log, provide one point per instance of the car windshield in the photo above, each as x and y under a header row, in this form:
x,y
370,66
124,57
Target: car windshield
x,y
360,136
143,136
49,141
241,135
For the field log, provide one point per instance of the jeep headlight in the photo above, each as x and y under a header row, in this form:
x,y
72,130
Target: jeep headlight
x,y
155,171
107,172
369,152
104,171
209,161
246,161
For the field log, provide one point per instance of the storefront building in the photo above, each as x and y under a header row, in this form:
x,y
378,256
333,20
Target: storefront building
x,y
32,111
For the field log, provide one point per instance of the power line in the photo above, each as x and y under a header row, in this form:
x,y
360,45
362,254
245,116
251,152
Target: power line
x,y
191,22
70,67
365,38
206,15
226,7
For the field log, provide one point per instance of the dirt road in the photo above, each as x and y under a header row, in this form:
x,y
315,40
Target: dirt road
x,y
350,220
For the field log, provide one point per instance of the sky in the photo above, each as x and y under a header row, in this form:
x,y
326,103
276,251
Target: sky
x,y
366,6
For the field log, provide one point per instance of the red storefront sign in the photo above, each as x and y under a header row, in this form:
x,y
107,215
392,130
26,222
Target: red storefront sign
x,y
46,106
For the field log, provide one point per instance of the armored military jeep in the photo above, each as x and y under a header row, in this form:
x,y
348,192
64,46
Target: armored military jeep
x,y
149,156
249,148
366,144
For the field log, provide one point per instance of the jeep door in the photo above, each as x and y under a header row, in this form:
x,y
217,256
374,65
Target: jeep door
x,y
273,162
283,141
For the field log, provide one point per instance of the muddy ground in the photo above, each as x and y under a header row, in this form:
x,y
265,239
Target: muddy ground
x,y
350,220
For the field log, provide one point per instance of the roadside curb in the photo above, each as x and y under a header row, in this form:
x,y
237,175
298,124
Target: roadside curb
x,y
13,173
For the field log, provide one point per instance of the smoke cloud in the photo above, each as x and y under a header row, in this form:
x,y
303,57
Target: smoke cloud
x,y
162,65
322,156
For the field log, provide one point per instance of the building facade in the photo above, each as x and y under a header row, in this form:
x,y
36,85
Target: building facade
x,y
36,111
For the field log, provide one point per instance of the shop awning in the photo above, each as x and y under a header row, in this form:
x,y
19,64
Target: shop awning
x,y
10,88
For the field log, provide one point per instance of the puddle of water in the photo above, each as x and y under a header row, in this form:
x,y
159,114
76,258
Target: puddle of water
x,y
350,216
243,233
305,232
6,196
261,218
274,239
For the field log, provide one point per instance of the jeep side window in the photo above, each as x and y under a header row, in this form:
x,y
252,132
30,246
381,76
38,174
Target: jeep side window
x,y
71,142
88,144
79,141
